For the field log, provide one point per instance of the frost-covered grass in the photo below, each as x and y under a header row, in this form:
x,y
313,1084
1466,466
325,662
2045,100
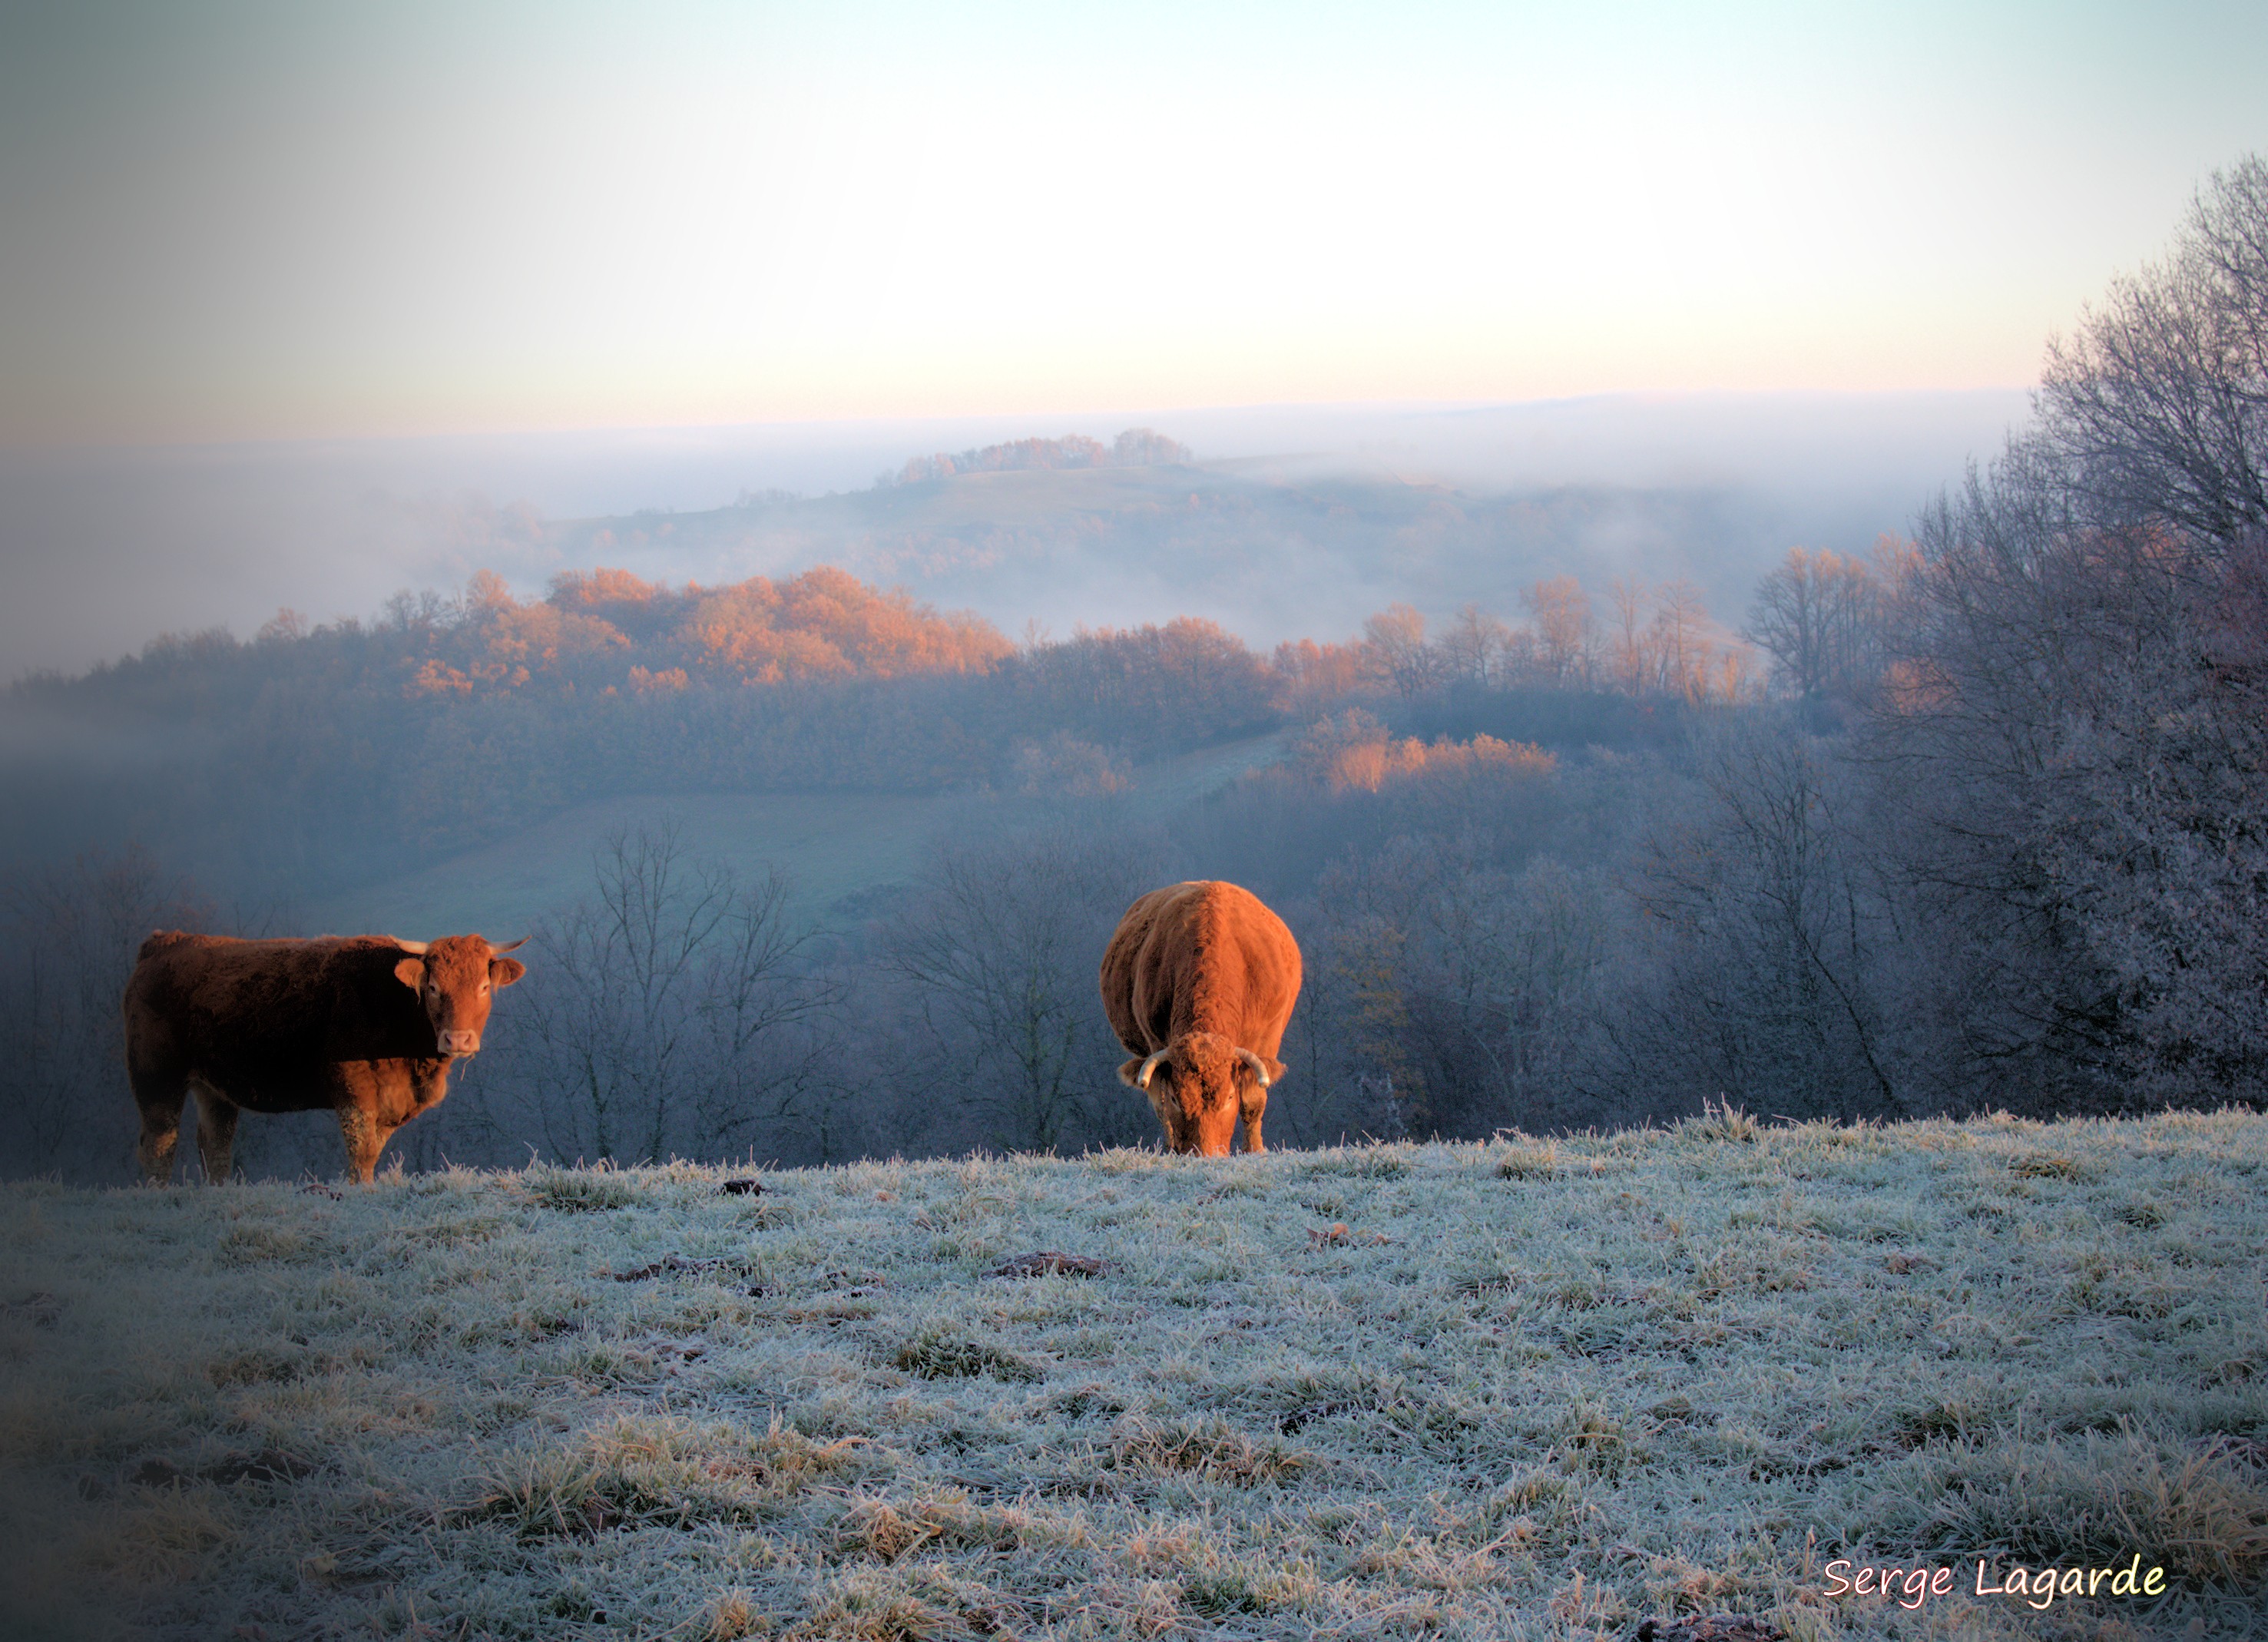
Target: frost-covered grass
x,y
1530,1389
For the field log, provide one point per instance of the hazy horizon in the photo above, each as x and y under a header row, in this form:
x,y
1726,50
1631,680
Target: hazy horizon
x,y
108,548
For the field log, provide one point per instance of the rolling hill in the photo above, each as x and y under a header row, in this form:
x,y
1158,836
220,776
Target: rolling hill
x,y
1269,557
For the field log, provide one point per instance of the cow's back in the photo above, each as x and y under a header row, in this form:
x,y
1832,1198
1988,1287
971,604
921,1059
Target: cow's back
x,y
1202,956
1130,959
165,940
261,1018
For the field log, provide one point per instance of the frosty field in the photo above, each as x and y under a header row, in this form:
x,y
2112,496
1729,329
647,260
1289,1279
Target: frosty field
x,y
1519,1389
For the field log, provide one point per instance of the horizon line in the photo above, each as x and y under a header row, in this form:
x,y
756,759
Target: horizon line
x,y
12,448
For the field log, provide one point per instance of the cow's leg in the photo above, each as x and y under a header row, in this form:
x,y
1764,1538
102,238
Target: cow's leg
x,y
160,1092
366,1138
216,1116
1254,1103
161,1131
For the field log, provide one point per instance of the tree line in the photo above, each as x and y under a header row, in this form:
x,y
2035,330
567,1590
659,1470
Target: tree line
x,y
1135,447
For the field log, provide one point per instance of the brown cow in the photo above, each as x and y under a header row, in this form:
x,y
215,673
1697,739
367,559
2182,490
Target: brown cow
x,y
365,1026
1199,981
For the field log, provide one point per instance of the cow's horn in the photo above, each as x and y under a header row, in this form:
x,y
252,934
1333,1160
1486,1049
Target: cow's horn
x,y
417,948
496,951
1142,1078
1259,1067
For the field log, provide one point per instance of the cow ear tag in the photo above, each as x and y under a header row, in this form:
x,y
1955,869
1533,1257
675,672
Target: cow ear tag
x,y
410,972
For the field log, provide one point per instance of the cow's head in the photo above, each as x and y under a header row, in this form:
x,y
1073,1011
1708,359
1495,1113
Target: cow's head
x,y
1208,1082
455,977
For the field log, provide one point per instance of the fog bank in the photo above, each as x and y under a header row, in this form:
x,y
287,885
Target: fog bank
x,y
103,548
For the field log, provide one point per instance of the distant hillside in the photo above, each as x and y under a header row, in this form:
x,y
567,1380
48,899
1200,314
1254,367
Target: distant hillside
x,y
108,547
1268,559
1510,1390
1136,447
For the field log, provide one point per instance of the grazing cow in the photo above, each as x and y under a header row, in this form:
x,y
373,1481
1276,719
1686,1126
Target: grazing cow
x,y
365,1026
1198,984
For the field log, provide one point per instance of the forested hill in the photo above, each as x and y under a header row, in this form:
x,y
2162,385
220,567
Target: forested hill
x,y
444,720
314,755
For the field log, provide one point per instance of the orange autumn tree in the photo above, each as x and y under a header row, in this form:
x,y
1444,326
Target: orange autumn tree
x,y
1312,677
827,624
501,646
1355,752
608,629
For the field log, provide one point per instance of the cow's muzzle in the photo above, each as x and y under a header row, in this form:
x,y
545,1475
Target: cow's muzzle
x,y
460,1043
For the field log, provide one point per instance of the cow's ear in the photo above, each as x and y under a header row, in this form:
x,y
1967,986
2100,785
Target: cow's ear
x,y
1130,1073
410,972
1275,1069
505,971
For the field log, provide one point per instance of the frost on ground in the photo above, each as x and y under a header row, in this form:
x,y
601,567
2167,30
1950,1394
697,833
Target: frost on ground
x,y
1520,1389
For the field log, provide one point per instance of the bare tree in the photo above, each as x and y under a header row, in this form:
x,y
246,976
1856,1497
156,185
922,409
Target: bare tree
x,y
72,934
2158,407
1458,986
1821,616
770,1058
1632,659
1473,648
663,1016
1789,618
999,944
1564,633
1396,639
1767,930
1735,676
1680,645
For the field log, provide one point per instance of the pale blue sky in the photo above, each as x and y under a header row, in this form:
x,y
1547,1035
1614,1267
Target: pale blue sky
x,y
228,221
